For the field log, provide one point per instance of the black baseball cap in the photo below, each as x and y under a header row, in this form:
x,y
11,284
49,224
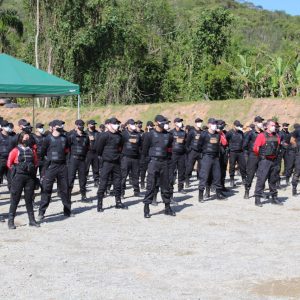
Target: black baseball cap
x,y
57,123
79,123
92,122
178,120
4,123
150,123
113,121
198,120
130,122
212,121
160,119
39,125
23,122
285,125
237,123
139,122
221,122
258,119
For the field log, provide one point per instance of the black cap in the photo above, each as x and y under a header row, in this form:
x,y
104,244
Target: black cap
x,y
79,123
237,123
221,122
92,122
160,119
198,120
258,119
285,125
130,122
39,125
106,121
139,122
178,120
113,121
4,123
212,121
57,123
150,123
23,122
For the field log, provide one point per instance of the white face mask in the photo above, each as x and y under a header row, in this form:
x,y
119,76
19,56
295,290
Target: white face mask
x,y
213,127
272,128
41,130
166,126
132,127
199,125
260,125
179,125
115,127
7,129
239,128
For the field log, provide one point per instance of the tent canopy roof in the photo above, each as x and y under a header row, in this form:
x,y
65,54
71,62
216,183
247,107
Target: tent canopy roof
x,y
18,79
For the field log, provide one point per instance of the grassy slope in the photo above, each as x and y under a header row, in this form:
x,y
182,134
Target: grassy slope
x,y
244,110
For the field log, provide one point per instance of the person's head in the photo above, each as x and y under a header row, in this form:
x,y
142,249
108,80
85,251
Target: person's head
x,y
101,127
57,126
23,139
79,125
40,128
178,122
259,122
161,123
113,125
131,125
212,124
198,123
237,125
271,126
91,124
25,126
5,127
285,126
221,125
149,126
139,125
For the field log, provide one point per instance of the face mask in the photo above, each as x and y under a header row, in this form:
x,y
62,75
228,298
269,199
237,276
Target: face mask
x,y
213,127
132,127
7,129
81,128
115,127
199,125
166,126
41,130
25,143
59,129
92,127
239,128
27,129
260,125
179,125
140,126
220,127
150,128
272,128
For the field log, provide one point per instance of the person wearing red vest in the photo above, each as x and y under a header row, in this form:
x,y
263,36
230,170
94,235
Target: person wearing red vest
x,y
22,161
266,147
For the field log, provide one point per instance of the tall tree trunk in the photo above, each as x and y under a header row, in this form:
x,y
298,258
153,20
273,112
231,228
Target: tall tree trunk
x,y
49,70
37,41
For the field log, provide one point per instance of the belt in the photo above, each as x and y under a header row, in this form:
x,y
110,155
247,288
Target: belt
x,y
159,158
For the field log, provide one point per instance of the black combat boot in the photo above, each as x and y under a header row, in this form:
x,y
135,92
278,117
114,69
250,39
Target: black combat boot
x,y
68,213
181,190
258,202
187,183
207,192
276,201
232,184
200,196
136,194
123,195
120,205
294,191
84,198
246,195
154,201
169,211
142,185
146,211
224,189
244,181
96,184
2,219
11,221
100,205
220,196
32,221
287,180
172,200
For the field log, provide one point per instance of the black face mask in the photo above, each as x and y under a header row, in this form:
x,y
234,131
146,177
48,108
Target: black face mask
x,y
161,125
27,130
220,127
81,128
60,129
92,127
25,143
140,126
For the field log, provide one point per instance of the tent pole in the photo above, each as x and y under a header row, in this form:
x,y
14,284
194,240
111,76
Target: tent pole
x,y
78,107
33,112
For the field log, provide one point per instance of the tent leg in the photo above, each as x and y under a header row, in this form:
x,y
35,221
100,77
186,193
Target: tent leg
x,y
33,112
78,107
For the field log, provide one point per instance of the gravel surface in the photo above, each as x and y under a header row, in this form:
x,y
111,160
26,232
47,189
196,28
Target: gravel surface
x,y
215,250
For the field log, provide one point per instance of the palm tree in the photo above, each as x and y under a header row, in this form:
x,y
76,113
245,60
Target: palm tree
x,y
9,22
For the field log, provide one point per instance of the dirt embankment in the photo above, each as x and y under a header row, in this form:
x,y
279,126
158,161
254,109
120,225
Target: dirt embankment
x,y
286,110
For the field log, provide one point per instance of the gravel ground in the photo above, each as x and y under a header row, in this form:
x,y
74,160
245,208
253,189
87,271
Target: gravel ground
x,y
215,250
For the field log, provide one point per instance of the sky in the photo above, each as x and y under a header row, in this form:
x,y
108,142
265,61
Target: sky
x,y
292,7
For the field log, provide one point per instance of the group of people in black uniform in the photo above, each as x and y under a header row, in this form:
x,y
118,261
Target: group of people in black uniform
x,y
117,152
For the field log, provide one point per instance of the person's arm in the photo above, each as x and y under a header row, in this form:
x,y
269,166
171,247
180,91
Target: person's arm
x,y
45,146
35,157
12,158
223,139
146,144
259,141
100,143
246,141
189,139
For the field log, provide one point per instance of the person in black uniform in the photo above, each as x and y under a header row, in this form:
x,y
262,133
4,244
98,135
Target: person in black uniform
x,y
131,141
39,139
92,157
109,146
193,149
295,143
24,126
79,144
235,138
22,162
139,127
157,145
253,159
55,147
178,154
211,146
144,161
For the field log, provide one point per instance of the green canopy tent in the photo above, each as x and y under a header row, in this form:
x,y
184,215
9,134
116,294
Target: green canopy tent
x,y
18,79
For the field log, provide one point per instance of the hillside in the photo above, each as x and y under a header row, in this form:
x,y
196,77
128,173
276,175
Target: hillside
x,y
287,110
